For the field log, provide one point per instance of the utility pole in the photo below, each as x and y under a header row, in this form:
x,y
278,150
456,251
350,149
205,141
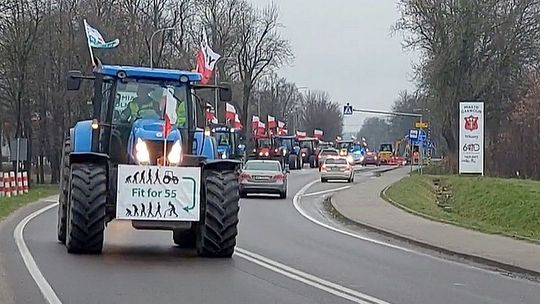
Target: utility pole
x,y
152,45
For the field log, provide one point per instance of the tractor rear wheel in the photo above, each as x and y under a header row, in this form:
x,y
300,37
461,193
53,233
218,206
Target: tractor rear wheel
x,y
86,208
293,160
64,192
312,161
217,231
185,238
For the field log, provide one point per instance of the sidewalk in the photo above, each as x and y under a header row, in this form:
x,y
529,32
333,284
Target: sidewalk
x,y
363,204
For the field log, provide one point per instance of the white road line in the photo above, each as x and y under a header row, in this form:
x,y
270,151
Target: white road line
x,y
308,279
44,286
296,205
326,191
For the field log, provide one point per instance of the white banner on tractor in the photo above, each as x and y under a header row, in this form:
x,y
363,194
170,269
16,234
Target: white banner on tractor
x,y
471,137
158,193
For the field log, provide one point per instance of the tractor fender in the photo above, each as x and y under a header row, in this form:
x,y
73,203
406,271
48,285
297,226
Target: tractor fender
x,y
81,136
221,164
204,145
88,157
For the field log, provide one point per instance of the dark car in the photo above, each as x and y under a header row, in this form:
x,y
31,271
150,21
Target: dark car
x,y
371,158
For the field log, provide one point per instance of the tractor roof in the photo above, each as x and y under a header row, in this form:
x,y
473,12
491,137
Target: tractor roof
x,y
287,136
307,138
145,72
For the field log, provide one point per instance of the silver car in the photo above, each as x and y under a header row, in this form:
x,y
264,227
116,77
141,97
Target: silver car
x,y
337,168
263,176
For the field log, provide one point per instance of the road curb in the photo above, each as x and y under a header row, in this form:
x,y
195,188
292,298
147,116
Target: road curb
x,y
474,258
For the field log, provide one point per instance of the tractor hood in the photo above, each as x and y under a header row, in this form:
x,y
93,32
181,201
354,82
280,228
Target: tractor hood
x,y
152,129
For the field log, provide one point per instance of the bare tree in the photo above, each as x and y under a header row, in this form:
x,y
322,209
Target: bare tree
x,y
321,113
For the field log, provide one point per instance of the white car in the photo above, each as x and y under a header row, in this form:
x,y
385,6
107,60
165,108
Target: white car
x,y
337,168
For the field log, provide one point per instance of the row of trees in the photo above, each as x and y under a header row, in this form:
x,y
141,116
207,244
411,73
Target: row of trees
x,y
42,39
486,50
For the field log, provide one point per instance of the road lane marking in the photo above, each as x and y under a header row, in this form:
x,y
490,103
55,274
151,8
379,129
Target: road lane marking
x,y
296,205
308,279
44,286
326,191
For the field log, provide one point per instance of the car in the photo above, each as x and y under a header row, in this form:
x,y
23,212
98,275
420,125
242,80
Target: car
x,y
263,176
337,168
371,158
325,153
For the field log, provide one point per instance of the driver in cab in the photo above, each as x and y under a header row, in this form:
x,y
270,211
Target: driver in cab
x,y
150,104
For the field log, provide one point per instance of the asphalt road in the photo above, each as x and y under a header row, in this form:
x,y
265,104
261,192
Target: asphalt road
x,y
282,257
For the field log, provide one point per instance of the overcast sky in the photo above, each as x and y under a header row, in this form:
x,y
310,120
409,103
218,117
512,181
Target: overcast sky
x,y
345,47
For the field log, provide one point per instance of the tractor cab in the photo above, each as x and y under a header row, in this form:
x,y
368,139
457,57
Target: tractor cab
x,y
386,153
144,157
344,147
230,143
309,147
289,150
263,146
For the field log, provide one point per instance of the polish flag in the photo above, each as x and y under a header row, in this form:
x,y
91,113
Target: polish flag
x,y
283,132
261,127
280,124
206,59
170,113
230,112
271,122
301,134
211,114
255,123
318,133
237,124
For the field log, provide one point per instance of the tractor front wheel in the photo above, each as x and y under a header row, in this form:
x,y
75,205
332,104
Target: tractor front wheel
x,y
293,162
64,192
312,161
217,231
86,208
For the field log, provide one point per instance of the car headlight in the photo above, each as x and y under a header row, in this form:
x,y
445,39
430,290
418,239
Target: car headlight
x,y
254,150
303,154
175,155
375,157
276,150
141,152
260,154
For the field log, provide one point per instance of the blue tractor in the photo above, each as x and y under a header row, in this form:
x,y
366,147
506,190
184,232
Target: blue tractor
x,y
230,143
144,157
289,151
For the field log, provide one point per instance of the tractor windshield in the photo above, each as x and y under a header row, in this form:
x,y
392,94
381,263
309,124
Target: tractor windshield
x,y
343,145
306,144
385,148
222,138
137,99
287,143
264,143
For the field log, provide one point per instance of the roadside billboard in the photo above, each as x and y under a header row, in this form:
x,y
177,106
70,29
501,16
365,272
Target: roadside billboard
x,y
471,137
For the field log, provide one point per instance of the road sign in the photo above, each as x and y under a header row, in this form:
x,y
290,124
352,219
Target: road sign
x,y
347,110
422,136
413,134
421,125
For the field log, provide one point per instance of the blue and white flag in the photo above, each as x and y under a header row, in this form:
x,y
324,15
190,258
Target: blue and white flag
x,y
95,39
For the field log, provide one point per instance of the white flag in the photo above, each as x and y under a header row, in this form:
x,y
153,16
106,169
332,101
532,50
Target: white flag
x,y
95,39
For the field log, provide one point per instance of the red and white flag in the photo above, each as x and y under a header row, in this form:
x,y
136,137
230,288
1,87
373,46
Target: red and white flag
x,y
211,114
301,134
255,123
237,124
280,124
318,133
271,122
261,128
170,113
206,59
283,132
230,112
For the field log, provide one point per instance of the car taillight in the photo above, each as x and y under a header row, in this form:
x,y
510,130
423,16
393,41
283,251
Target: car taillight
x,y
323,168
279,177
245,176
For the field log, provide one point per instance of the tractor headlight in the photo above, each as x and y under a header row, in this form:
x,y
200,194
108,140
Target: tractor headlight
x,y
266,153
224,155
175,155
254,150
303,154
284,152
260,154
276,150
141,152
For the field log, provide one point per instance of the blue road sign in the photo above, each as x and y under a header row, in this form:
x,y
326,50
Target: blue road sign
x,y
413,134
347,110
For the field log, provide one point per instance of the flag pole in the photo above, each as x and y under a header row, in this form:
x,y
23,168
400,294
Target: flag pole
x,y
165,131
88,42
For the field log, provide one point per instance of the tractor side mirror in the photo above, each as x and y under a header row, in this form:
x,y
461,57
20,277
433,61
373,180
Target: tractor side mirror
x,y
225,93
74,79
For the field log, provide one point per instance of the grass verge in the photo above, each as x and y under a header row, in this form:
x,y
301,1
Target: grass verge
x,y
8,205
493,205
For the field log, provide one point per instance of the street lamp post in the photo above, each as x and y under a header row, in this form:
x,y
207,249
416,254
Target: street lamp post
x,y
151,43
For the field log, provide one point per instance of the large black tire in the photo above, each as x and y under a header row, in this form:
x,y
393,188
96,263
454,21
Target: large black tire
x,y
293,161
217,231
185,238
64,192
86,209
312,161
